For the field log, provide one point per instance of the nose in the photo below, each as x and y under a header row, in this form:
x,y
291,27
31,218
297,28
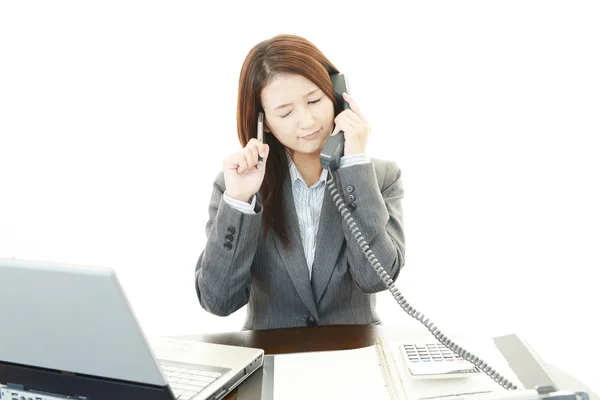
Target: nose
x,y
306,118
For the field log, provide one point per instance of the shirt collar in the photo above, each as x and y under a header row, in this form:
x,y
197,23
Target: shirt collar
x,y
295,175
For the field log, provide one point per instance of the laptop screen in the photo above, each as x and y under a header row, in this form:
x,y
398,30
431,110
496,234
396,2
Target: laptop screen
x,y
72,318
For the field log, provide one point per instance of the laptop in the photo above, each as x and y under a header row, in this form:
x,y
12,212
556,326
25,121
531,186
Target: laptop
x,y
68,331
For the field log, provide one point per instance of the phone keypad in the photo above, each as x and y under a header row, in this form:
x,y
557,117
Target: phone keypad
x,y
429,352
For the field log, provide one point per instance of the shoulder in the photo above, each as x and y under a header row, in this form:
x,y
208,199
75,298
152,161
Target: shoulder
x,y
387,171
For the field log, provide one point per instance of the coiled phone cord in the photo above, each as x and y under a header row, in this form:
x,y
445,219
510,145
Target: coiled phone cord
x,y
435,331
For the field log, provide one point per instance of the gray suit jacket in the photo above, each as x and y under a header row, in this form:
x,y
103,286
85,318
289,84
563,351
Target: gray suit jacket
x,y
239,267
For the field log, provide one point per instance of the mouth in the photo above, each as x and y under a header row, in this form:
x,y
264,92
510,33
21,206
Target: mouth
x,y
311,135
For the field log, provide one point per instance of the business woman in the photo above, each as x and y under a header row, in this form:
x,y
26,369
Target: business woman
x,y
275,239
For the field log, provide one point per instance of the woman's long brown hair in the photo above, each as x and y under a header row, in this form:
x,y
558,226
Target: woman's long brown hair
x,y
280,54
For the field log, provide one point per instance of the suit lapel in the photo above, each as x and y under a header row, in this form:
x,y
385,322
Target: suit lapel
x,y
294,259
330,239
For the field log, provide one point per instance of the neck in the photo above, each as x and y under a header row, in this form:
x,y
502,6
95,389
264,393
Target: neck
x,y
309,167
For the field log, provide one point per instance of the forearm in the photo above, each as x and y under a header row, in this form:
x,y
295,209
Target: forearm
x,y
223,270
377,213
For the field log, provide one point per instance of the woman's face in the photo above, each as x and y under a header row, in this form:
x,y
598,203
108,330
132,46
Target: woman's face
x,y
298,113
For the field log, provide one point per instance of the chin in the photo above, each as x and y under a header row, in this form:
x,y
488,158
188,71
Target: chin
x,y
307,151
312,148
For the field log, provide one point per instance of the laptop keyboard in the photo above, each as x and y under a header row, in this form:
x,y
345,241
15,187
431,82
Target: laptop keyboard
x,y
186,381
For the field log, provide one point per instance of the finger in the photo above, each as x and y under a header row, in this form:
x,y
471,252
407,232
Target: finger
x,y
230,162
265,157
341,127
266,152
242,163
346,123
251,156
336,127
352,115
260,145
253,149
353,105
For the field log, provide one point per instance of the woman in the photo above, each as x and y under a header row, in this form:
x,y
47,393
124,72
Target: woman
x,y
275,239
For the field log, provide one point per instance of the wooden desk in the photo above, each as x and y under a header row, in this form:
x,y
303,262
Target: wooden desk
x,y
295,340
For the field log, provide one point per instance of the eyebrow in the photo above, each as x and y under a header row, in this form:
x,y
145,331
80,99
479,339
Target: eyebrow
x,y
289,104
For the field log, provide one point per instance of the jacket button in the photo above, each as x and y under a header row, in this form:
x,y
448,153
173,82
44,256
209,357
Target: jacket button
x,y
227,245
310,321
231,230
350,188
351,206
229,238
351,197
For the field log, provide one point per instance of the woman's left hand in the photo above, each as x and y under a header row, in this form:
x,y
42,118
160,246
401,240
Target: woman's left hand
x,y
355,127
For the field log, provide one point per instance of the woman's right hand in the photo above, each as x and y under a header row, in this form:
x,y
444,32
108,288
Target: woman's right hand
x,y
240,170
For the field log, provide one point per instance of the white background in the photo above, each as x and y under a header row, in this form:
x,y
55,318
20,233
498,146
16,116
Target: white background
x,y
115,116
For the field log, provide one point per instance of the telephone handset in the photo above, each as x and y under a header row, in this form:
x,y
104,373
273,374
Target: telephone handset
x,y
330,160
333,150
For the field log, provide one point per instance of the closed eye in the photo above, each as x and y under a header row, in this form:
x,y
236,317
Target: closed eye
x,y
310,102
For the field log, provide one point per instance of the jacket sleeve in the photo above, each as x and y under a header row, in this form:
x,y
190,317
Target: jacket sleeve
x,y
223,270
376,207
